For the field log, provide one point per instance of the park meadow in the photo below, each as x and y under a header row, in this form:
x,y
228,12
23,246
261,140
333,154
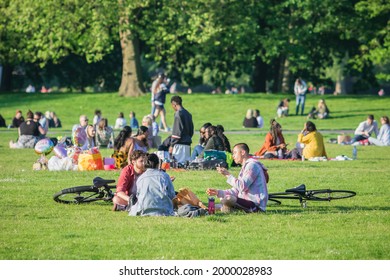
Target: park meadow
x,y
33,226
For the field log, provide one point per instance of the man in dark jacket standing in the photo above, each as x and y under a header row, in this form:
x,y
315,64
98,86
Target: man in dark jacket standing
x,y
182,132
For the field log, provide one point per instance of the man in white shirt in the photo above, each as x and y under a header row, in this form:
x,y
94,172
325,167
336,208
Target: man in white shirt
x,y
365,129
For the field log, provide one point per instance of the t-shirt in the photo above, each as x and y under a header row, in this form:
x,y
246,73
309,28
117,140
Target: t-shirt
x,y
29,127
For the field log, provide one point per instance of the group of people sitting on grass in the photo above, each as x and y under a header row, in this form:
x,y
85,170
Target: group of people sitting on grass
x,y
143,189
310,143
365,130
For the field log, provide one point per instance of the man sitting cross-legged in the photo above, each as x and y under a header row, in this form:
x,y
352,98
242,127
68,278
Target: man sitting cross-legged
x,y
249,191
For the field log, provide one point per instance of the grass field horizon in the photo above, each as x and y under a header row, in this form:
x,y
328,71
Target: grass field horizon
x,y
35,227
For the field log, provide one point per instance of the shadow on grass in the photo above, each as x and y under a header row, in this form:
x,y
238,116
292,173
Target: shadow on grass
x,y
289,209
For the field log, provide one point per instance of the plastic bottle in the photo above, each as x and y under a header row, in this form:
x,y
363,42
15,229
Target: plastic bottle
x,y
211,205
354,152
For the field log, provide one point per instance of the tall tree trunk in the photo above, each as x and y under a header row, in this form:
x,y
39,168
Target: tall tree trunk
x,y
260,76
131,84
286,76
6,78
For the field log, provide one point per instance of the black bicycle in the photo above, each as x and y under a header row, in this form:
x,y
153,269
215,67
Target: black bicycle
x,y
300,193
99,190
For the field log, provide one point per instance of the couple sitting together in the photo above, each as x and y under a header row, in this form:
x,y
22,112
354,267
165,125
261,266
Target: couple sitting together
x,y
310,143
144,189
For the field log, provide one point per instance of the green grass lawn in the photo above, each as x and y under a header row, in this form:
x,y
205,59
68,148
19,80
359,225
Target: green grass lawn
x,y
33,226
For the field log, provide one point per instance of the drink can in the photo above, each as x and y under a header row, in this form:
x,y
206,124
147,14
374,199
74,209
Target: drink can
x,y
211,205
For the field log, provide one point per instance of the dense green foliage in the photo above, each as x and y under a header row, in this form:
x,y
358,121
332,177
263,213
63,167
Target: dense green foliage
x,y
33,226
263,44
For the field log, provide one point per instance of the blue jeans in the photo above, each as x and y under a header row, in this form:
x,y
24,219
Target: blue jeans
x,y
300,99
198,149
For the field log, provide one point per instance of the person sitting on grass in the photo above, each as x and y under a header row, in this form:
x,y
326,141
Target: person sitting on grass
x,y
365,129
274,141
214,142
126,188
198,149
383,138
312,140
121,147
104,134
29,132
321,112
249,191
154,191
140,141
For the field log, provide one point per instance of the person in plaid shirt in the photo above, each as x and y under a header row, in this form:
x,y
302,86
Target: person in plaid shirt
x,y
249,190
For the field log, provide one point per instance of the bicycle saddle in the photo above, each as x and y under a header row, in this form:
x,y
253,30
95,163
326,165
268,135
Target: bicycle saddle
x,y
99,182
301,189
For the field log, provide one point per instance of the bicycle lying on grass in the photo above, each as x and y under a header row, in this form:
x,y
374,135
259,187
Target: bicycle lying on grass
x,y
304,195
99,190
102,190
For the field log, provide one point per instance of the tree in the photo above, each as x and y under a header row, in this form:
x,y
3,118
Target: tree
x,y
51,30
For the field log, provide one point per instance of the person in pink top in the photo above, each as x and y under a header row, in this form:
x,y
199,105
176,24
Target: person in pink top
x,y
249,190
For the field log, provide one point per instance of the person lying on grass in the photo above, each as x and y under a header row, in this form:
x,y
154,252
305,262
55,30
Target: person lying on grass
x,y
249,191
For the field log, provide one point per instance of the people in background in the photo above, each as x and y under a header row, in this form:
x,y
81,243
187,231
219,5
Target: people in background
x,y
43,121
29,133
54,121
274,142
225,140
249,120
321,112
365,130
122,145
90,140
97,117
383,138
133,121
140,141
259,118
300,89
120,122
83,122
182,131
17,120
213,141
283,108
104,134
198,149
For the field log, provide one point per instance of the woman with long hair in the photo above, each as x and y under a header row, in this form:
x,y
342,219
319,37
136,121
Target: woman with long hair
x,y
104,134
121,147
274,141
140,141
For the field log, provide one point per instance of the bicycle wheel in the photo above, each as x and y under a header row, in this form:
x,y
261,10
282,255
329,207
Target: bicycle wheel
x,y
327,195
81,194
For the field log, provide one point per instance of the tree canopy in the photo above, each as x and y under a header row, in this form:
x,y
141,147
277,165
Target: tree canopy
x,y
262,44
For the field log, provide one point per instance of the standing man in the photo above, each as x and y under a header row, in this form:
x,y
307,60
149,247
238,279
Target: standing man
x,y
182,132
249,191
300,89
